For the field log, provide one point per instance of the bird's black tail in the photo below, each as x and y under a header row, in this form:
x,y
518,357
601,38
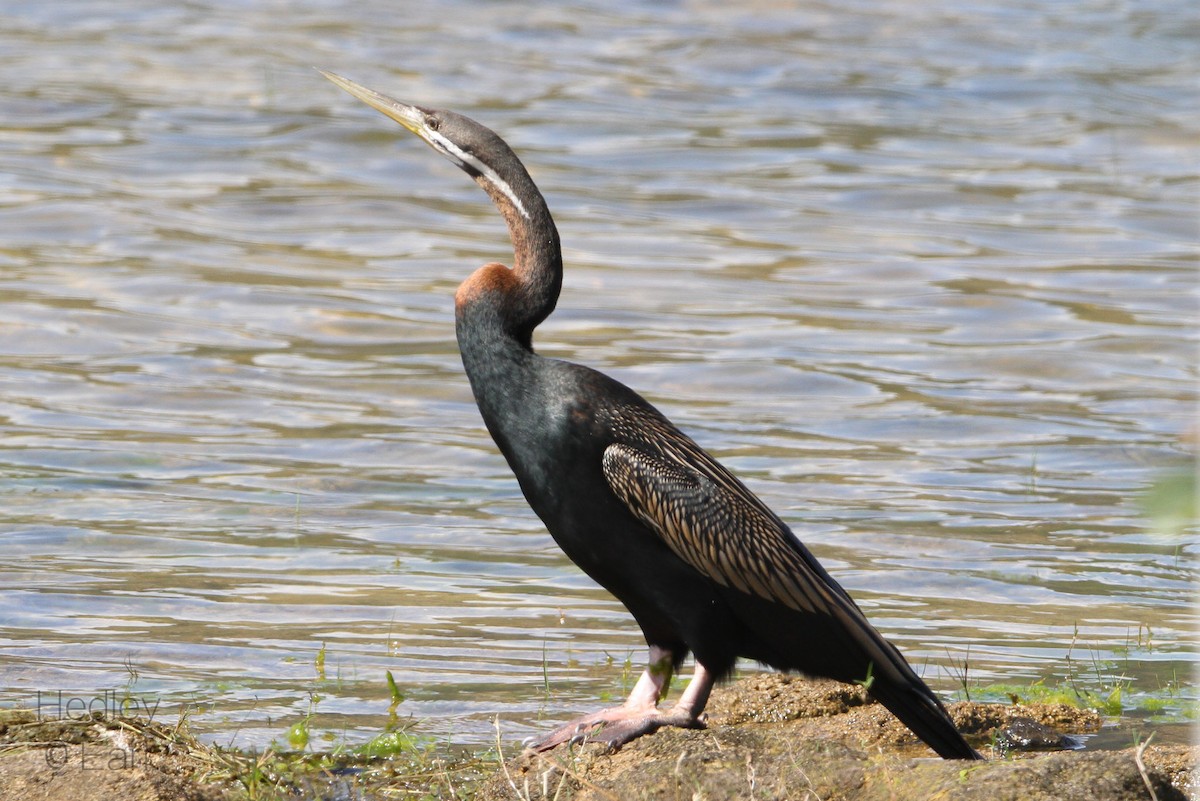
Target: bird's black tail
x,y
852,651
919,709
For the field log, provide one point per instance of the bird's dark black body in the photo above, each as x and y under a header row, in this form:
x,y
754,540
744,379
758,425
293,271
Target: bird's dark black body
x,y
553,429
700,562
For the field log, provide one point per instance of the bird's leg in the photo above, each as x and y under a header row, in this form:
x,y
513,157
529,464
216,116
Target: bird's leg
x,y
691,704
641,703
639,714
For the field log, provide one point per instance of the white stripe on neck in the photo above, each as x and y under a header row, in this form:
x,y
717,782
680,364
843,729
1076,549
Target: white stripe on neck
x,y
487,172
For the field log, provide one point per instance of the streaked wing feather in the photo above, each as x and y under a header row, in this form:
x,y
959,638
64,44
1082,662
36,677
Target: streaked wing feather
x,y
718,527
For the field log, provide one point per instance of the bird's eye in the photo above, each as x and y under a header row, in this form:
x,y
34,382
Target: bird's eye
x,y
432,123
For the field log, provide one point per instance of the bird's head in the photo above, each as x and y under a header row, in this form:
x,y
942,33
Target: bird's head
x,y
475,148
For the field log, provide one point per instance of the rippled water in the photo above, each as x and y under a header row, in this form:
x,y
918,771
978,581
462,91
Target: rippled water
x,y
922,274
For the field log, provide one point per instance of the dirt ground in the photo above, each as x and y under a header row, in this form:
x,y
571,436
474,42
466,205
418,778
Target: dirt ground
x,y
780,737
769,737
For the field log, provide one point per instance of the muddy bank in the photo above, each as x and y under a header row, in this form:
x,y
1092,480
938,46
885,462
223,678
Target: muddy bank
x,y
93,760
99,758
769,737
776,737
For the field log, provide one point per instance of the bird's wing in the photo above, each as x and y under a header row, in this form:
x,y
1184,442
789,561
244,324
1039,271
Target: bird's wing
x,y
716,525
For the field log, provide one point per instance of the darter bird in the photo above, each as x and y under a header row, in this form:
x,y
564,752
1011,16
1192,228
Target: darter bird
x,y
699,561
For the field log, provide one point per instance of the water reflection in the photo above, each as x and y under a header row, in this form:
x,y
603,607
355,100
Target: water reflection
x,y
922,276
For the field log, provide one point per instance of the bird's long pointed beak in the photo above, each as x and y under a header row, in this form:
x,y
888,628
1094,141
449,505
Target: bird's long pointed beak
x,y
410,117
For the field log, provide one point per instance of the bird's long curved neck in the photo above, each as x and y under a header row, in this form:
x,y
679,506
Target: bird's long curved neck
x,y
537,254
497,309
